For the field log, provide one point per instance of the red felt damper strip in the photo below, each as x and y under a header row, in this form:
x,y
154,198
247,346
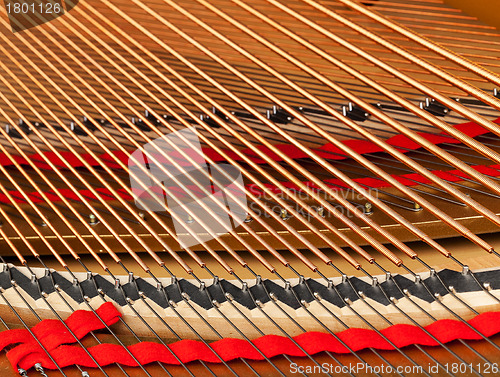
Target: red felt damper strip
x,y
401,335
51,333
326,151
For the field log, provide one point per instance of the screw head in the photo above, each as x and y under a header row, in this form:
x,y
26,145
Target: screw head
x,y
368,209
93,220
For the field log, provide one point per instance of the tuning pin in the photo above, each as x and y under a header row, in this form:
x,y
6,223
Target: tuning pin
x,y
21,125
354,112
434,107
40,369
77,129
139,123
89,123
279,115
150,117
220,114
210,121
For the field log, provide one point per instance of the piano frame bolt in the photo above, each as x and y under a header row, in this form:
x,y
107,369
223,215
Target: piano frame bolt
x,y
85,374
321,211
465,270
93,220
368,208
417,206
248,219
487,286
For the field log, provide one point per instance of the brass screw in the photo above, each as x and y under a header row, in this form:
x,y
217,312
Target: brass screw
x,y
284,214
368,210
93,219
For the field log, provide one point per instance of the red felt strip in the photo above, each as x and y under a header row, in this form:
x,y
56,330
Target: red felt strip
x,y
228,349
327,151
52,333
